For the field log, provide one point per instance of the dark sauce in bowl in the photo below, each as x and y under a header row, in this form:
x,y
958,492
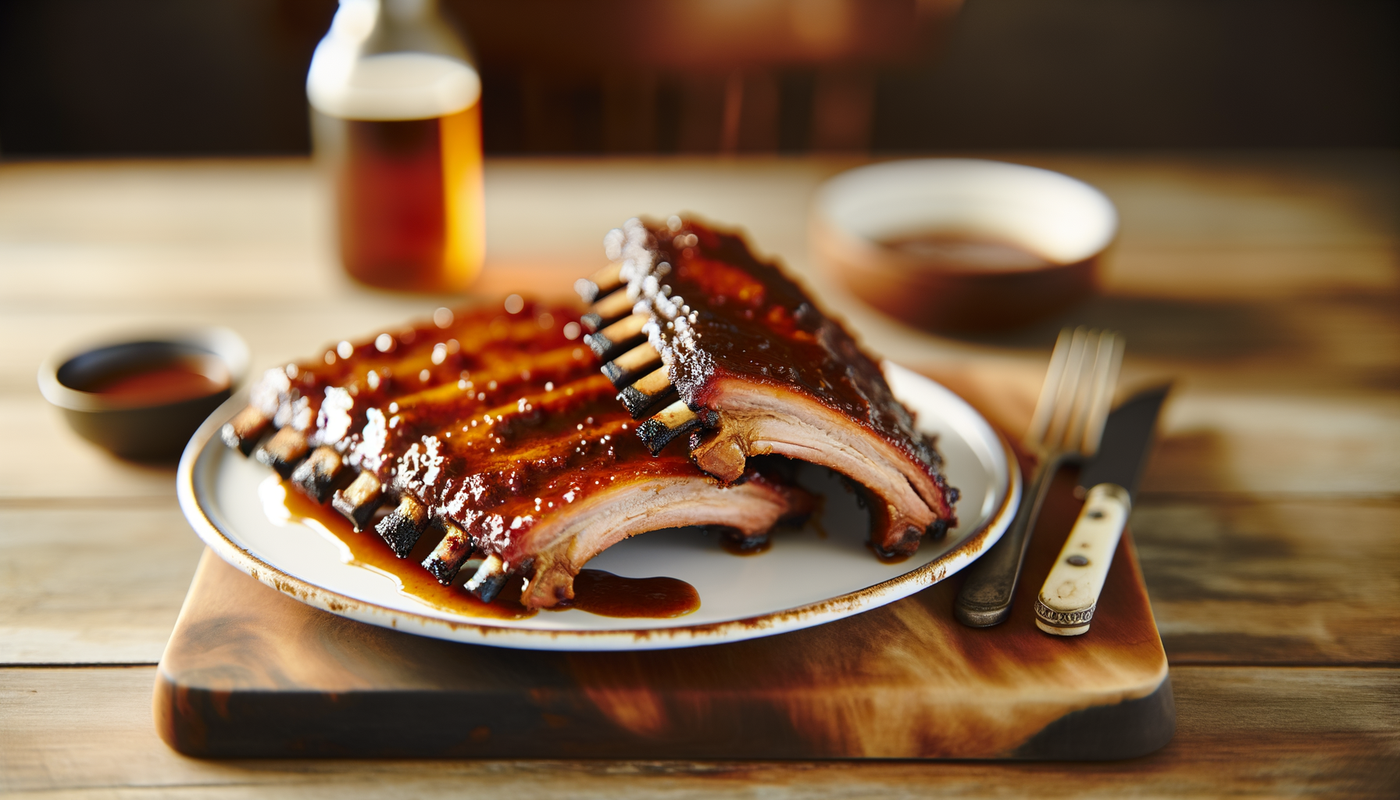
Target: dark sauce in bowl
x,y
142,399
160,380
953,251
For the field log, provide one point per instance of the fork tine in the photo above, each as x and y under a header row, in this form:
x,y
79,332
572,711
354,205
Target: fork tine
x,y
1081,402
1109,361
1063,408
1050,388
1067,425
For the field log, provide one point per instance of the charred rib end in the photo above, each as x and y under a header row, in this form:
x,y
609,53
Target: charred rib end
x,y
358,501
401,529
489,579
318,475
601,345
895,545
244,430
670,422
938,529
614,372
449,555
640,404
283,451
612,340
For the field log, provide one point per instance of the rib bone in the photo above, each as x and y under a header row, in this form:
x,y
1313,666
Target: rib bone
x,y
401,529
607,310
318,475
610,340
648,394
489,579
358,501
641,359
246,428
666,425
282,452
449,555
599,283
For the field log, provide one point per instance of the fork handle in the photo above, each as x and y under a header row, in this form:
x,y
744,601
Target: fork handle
x,y
985,597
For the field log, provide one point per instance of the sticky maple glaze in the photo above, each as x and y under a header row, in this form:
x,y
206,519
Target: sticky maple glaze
x,y
502,449
595,591
498,474
743,324
514,420
478,359
753,324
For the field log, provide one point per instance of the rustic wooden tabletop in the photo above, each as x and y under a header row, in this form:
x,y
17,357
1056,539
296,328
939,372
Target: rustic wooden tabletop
x,y
1266,285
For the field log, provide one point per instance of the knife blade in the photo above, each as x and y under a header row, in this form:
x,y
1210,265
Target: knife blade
x,y
1069,598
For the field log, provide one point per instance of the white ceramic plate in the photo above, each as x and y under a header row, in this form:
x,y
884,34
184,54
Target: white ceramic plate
x,y
810,576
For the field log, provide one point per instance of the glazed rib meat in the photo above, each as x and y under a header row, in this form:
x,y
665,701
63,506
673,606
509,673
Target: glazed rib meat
x,y
494,431
722,350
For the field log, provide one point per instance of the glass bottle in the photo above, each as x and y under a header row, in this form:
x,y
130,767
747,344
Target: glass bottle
x,y
396,115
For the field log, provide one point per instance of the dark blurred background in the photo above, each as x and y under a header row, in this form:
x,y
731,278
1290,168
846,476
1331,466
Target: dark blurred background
x,y
85,78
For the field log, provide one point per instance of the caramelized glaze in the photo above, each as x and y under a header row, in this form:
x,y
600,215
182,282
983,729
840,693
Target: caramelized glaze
x,y
492,420
739,318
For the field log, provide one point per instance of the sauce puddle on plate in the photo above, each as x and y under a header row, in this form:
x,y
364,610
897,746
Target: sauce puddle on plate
x,y
609,595
595,591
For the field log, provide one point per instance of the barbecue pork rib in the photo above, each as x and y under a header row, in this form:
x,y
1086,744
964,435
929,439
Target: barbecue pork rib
x,y
709,341
495,431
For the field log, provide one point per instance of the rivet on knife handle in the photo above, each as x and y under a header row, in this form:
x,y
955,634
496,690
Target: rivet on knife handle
x,y
1068,600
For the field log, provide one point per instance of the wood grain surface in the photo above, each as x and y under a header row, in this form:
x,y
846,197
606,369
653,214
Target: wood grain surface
x,y
251,672
1265,284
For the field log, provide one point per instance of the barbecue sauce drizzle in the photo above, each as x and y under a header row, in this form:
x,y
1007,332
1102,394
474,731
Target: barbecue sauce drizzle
x,y
595,591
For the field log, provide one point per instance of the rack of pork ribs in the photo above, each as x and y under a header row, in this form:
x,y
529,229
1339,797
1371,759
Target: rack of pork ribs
x,y
531,439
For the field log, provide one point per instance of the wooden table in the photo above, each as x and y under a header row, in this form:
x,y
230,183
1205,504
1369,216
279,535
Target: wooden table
x,y
1266,285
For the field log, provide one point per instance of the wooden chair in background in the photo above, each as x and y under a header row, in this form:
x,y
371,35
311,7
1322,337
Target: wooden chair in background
x,y
692,76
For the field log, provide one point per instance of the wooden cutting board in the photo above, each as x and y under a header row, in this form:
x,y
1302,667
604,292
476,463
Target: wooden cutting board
x,y
250,672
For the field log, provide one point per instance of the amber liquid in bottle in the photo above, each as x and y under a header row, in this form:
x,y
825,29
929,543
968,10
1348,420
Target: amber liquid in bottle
x,y
409,201
397,122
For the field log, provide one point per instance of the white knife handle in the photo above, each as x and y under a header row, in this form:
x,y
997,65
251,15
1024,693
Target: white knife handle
x,y
1066,603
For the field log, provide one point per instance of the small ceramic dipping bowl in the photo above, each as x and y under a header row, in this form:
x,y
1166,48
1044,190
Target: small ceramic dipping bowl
x,y
143,396
962,244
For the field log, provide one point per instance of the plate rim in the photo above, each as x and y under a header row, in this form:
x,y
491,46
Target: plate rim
x,y
503,634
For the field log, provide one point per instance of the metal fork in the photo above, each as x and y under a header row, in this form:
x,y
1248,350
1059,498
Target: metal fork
x,y
1066,427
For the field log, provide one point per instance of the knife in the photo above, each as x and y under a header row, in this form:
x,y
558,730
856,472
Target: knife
x,y
1069,598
